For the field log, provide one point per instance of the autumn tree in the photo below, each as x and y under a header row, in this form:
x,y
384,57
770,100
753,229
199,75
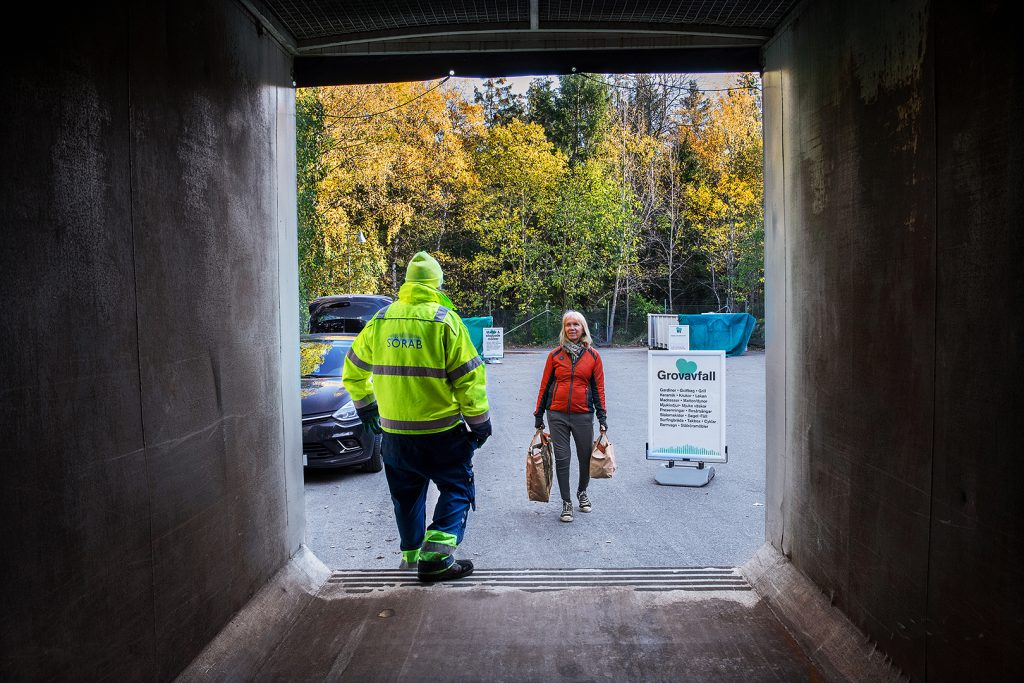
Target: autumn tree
x,y
671,236
584,236
401,175
310,172
519,170
726,198
540,104
641,150
499,104
591,191
574,116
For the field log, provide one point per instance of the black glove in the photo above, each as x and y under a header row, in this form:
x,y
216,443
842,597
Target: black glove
x,y
538,421
604,424
370,417
481,432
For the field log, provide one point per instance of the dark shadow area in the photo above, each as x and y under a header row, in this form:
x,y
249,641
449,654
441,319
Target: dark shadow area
x,y
150,429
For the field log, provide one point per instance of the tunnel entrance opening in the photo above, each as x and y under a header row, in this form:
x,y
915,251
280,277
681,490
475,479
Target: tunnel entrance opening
x,y
663,141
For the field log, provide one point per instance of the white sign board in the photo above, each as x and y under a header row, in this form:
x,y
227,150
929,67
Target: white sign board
x,y
494,342
679,338
686,406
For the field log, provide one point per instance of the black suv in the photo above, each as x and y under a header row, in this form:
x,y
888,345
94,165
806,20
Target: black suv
x,y
344,313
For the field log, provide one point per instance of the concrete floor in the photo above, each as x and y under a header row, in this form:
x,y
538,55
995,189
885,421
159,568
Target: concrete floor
x,y
603,634
552,625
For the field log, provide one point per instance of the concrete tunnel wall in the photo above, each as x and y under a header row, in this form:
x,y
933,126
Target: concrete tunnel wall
x,y
146,405
893,267
149,322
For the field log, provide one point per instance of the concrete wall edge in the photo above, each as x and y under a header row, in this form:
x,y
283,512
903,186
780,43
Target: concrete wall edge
x,y
827,636
243,645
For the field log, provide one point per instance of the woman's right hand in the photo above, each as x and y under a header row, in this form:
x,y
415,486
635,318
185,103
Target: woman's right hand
x,y
538,422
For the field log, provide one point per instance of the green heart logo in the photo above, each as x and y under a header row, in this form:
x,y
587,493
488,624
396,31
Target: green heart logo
x,y
686,367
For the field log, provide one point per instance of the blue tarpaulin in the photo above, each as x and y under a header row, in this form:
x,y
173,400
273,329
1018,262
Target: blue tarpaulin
x,y
476,330
729,332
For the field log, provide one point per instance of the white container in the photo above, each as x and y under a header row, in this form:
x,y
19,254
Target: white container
x,y
658,327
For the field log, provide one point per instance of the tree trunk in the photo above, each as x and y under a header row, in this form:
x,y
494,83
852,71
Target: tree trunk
x,y
714,288
610,332
730,263
627,303
615,299
673,225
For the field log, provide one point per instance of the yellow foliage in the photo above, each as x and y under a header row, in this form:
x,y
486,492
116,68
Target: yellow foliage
x,y
311,356
400,172
725,204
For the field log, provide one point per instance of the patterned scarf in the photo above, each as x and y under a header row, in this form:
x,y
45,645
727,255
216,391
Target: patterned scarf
x,y
574,350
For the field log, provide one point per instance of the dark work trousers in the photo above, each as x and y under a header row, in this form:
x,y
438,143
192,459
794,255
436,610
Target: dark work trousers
x,y
581,427
411,462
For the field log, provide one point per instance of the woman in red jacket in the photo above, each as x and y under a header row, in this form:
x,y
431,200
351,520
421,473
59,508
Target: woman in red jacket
x,y
572,391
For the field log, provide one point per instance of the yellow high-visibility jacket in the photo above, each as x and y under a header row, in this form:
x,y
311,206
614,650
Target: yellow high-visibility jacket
x,y
416,361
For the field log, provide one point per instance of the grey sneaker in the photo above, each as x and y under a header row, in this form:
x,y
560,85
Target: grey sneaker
x,y
566,511
585,505
405,564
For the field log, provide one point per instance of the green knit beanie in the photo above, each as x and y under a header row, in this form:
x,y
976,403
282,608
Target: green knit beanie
x,y
425,269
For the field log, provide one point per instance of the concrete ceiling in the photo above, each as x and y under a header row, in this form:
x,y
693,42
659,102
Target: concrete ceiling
x,y
336,41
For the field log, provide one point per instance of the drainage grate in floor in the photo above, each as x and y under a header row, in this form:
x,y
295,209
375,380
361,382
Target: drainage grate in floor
x,y
657,579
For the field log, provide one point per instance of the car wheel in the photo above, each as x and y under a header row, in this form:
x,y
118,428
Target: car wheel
x,y
376,461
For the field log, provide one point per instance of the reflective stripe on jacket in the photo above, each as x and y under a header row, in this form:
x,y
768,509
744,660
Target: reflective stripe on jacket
x,y
568,388
416,361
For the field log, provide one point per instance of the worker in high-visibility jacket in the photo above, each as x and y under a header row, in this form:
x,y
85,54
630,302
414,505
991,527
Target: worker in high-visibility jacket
x,y
414,373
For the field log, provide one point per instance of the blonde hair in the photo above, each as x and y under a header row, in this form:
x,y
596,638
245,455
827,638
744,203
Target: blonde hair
x,y
584,338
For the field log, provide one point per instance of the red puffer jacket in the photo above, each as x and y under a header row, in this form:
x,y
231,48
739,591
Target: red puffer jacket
x,y
568,388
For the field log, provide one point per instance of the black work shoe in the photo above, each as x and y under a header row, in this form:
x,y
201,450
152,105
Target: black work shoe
x,y
566,515
459,569
585,505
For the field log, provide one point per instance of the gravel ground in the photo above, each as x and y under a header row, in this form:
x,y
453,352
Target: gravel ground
x,y
635,522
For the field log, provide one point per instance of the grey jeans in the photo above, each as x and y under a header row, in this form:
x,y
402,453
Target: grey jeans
x,y
581,427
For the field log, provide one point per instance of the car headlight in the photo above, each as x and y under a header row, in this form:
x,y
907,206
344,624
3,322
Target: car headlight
x,y
346,412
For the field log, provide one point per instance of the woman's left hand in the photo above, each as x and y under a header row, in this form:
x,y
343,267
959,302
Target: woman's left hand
x,y
604,426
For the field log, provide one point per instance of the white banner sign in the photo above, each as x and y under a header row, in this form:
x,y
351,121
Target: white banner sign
x,y
686,406
494,342
679,338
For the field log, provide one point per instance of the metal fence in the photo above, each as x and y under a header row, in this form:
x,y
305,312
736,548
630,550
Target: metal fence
x,y
541,327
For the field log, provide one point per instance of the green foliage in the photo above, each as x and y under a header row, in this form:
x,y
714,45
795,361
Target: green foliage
x,y
310,172
584,236
725,196
642,305
581,115
500,105
519,172
401,177
606,194
540,105
574,116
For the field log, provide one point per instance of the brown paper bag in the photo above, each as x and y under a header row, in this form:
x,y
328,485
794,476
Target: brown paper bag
x,y
539,469
602,458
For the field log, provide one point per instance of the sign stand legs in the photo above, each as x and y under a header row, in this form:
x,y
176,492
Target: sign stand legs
x,y
695,474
